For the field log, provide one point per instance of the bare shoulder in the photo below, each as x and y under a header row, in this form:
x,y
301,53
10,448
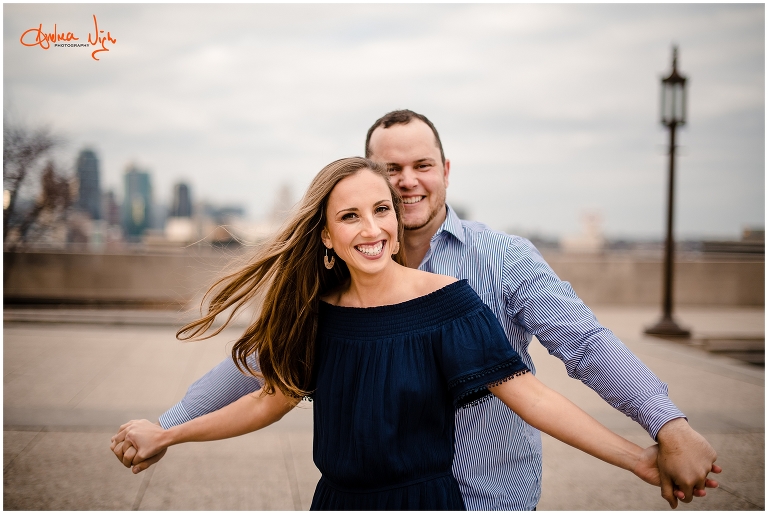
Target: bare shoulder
x,y
426,283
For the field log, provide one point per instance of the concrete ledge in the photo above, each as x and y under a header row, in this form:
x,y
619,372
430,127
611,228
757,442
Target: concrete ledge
x,y
746,348
169,280
168,318
179,279
734,344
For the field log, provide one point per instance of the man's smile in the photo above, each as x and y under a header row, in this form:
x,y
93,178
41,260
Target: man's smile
x,y
408,200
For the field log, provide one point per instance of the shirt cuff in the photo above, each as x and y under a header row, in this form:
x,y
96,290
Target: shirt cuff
x,y
176,415
656,412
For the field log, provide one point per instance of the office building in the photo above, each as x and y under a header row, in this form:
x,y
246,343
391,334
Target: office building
x,y
182,201
89,191
137,203
110,209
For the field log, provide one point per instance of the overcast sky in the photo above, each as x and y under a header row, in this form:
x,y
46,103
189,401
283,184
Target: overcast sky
x,y
546,111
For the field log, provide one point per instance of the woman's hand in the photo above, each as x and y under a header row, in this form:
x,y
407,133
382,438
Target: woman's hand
x,y
647,468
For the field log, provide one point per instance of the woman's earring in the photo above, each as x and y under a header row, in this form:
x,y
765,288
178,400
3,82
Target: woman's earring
x,y
329,262
396,247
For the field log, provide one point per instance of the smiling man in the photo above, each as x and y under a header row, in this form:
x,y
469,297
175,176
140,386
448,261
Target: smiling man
x,y
418,170
496,471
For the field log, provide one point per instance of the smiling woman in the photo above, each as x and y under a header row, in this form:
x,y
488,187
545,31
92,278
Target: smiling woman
x,y
387,353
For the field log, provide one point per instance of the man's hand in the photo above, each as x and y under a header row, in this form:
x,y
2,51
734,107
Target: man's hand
x,y
647,468
126,453
685,458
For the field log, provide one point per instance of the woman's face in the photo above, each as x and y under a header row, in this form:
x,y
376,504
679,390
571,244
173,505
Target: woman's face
x,y
361,225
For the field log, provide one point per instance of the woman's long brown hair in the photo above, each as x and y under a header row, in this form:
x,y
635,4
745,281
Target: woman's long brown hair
x,y
289,267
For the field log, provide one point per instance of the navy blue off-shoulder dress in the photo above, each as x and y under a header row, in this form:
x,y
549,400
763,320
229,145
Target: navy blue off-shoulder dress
x,y
387,383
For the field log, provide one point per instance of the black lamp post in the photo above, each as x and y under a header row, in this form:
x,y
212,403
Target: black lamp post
x,y
673,103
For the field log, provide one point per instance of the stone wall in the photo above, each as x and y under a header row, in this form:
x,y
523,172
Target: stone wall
x,y
162,279
176,279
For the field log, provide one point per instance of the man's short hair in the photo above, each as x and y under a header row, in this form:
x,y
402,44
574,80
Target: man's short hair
x,y
401,117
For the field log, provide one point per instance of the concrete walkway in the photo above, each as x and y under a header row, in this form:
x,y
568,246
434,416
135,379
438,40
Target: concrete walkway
x,y
69,385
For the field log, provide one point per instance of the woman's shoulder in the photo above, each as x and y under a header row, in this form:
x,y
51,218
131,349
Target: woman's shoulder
x,y
424,283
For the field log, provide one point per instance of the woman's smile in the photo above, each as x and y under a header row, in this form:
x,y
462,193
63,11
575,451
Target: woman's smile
x,y
371,250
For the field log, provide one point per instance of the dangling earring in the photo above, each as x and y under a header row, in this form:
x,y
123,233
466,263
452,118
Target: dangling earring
x,y
329,262
396,247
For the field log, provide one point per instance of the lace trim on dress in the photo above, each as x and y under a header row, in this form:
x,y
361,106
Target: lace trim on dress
x,y
481,394
507,379
480,374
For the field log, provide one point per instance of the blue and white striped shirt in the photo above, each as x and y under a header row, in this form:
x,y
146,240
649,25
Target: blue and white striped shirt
x,y
498,456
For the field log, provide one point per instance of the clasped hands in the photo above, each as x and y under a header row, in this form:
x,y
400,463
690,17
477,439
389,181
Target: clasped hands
x,y
138,444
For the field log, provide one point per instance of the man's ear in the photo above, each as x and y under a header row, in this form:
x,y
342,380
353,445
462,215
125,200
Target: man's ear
x,y
446,171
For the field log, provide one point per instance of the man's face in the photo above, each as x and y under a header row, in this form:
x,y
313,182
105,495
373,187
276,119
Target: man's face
x,y
412,157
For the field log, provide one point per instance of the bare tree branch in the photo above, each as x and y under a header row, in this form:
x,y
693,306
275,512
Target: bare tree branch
x,y
26,161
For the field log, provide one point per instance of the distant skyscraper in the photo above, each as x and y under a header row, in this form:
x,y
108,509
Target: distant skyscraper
x,y
89,192
137,203
110,209
182,201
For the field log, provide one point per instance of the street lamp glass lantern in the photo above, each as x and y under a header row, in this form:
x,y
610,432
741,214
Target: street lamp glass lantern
x,y
673,99
673,102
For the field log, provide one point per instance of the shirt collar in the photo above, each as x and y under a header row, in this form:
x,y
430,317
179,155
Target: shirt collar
x,y
452,225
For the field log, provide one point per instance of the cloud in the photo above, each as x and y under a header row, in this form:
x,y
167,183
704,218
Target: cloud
x,y
546,110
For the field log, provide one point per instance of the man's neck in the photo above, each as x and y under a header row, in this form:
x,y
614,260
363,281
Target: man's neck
x,y
416,241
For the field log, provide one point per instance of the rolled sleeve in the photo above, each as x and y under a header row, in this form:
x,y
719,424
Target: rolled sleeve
x,y
176,415
656,412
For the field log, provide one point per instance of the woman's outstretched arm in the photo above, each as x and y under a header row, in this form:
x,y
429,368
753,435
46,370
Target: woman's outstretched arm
x,y
251,412
552,413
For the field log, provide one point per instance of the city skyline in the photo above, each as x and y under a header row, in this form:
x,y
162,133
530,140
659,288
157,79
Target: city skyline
x,y
548,112
181,202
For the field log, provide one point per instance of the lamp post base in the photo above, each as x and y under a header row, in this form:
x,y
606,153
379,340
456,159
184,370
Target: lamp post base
x,y
668,328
